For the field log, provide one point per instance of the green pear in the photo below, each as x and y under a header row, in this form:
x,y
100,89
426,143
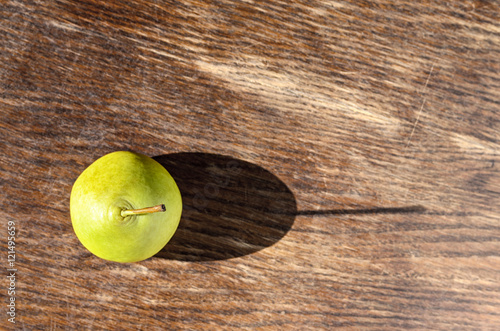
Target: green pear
x,y
125,207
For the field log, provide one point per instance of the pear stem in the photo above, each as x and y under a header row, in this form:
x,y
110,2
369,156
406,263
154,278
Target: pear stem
x,y
142,211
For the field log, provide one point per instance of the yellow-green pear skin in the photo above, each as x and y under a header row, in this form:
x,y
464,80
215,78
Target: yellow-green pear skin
x,y
123,181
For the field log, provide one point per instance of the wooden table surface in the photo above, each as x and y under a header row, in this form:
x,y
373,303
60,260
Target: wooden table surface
x,y
338,160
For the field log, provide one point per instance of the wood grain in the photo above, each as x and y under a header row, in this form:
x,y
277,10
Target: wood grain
x,y
338,161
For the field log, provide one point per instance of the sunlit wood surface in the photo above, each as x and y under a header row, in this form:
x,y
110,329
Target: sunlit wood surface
x,y
339,161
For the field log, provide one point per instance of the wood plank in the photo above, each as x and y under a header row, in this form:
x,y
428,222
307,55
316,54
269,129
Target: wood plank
x,y
338,161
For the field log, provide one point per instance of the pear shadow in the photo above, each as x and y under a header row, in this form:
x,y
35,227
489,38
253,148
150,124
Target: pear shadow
x,y
231,207
365,211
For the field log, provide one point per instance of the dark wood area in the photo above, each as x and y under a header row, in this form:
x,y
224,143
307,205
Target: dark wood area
x,y
339,161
